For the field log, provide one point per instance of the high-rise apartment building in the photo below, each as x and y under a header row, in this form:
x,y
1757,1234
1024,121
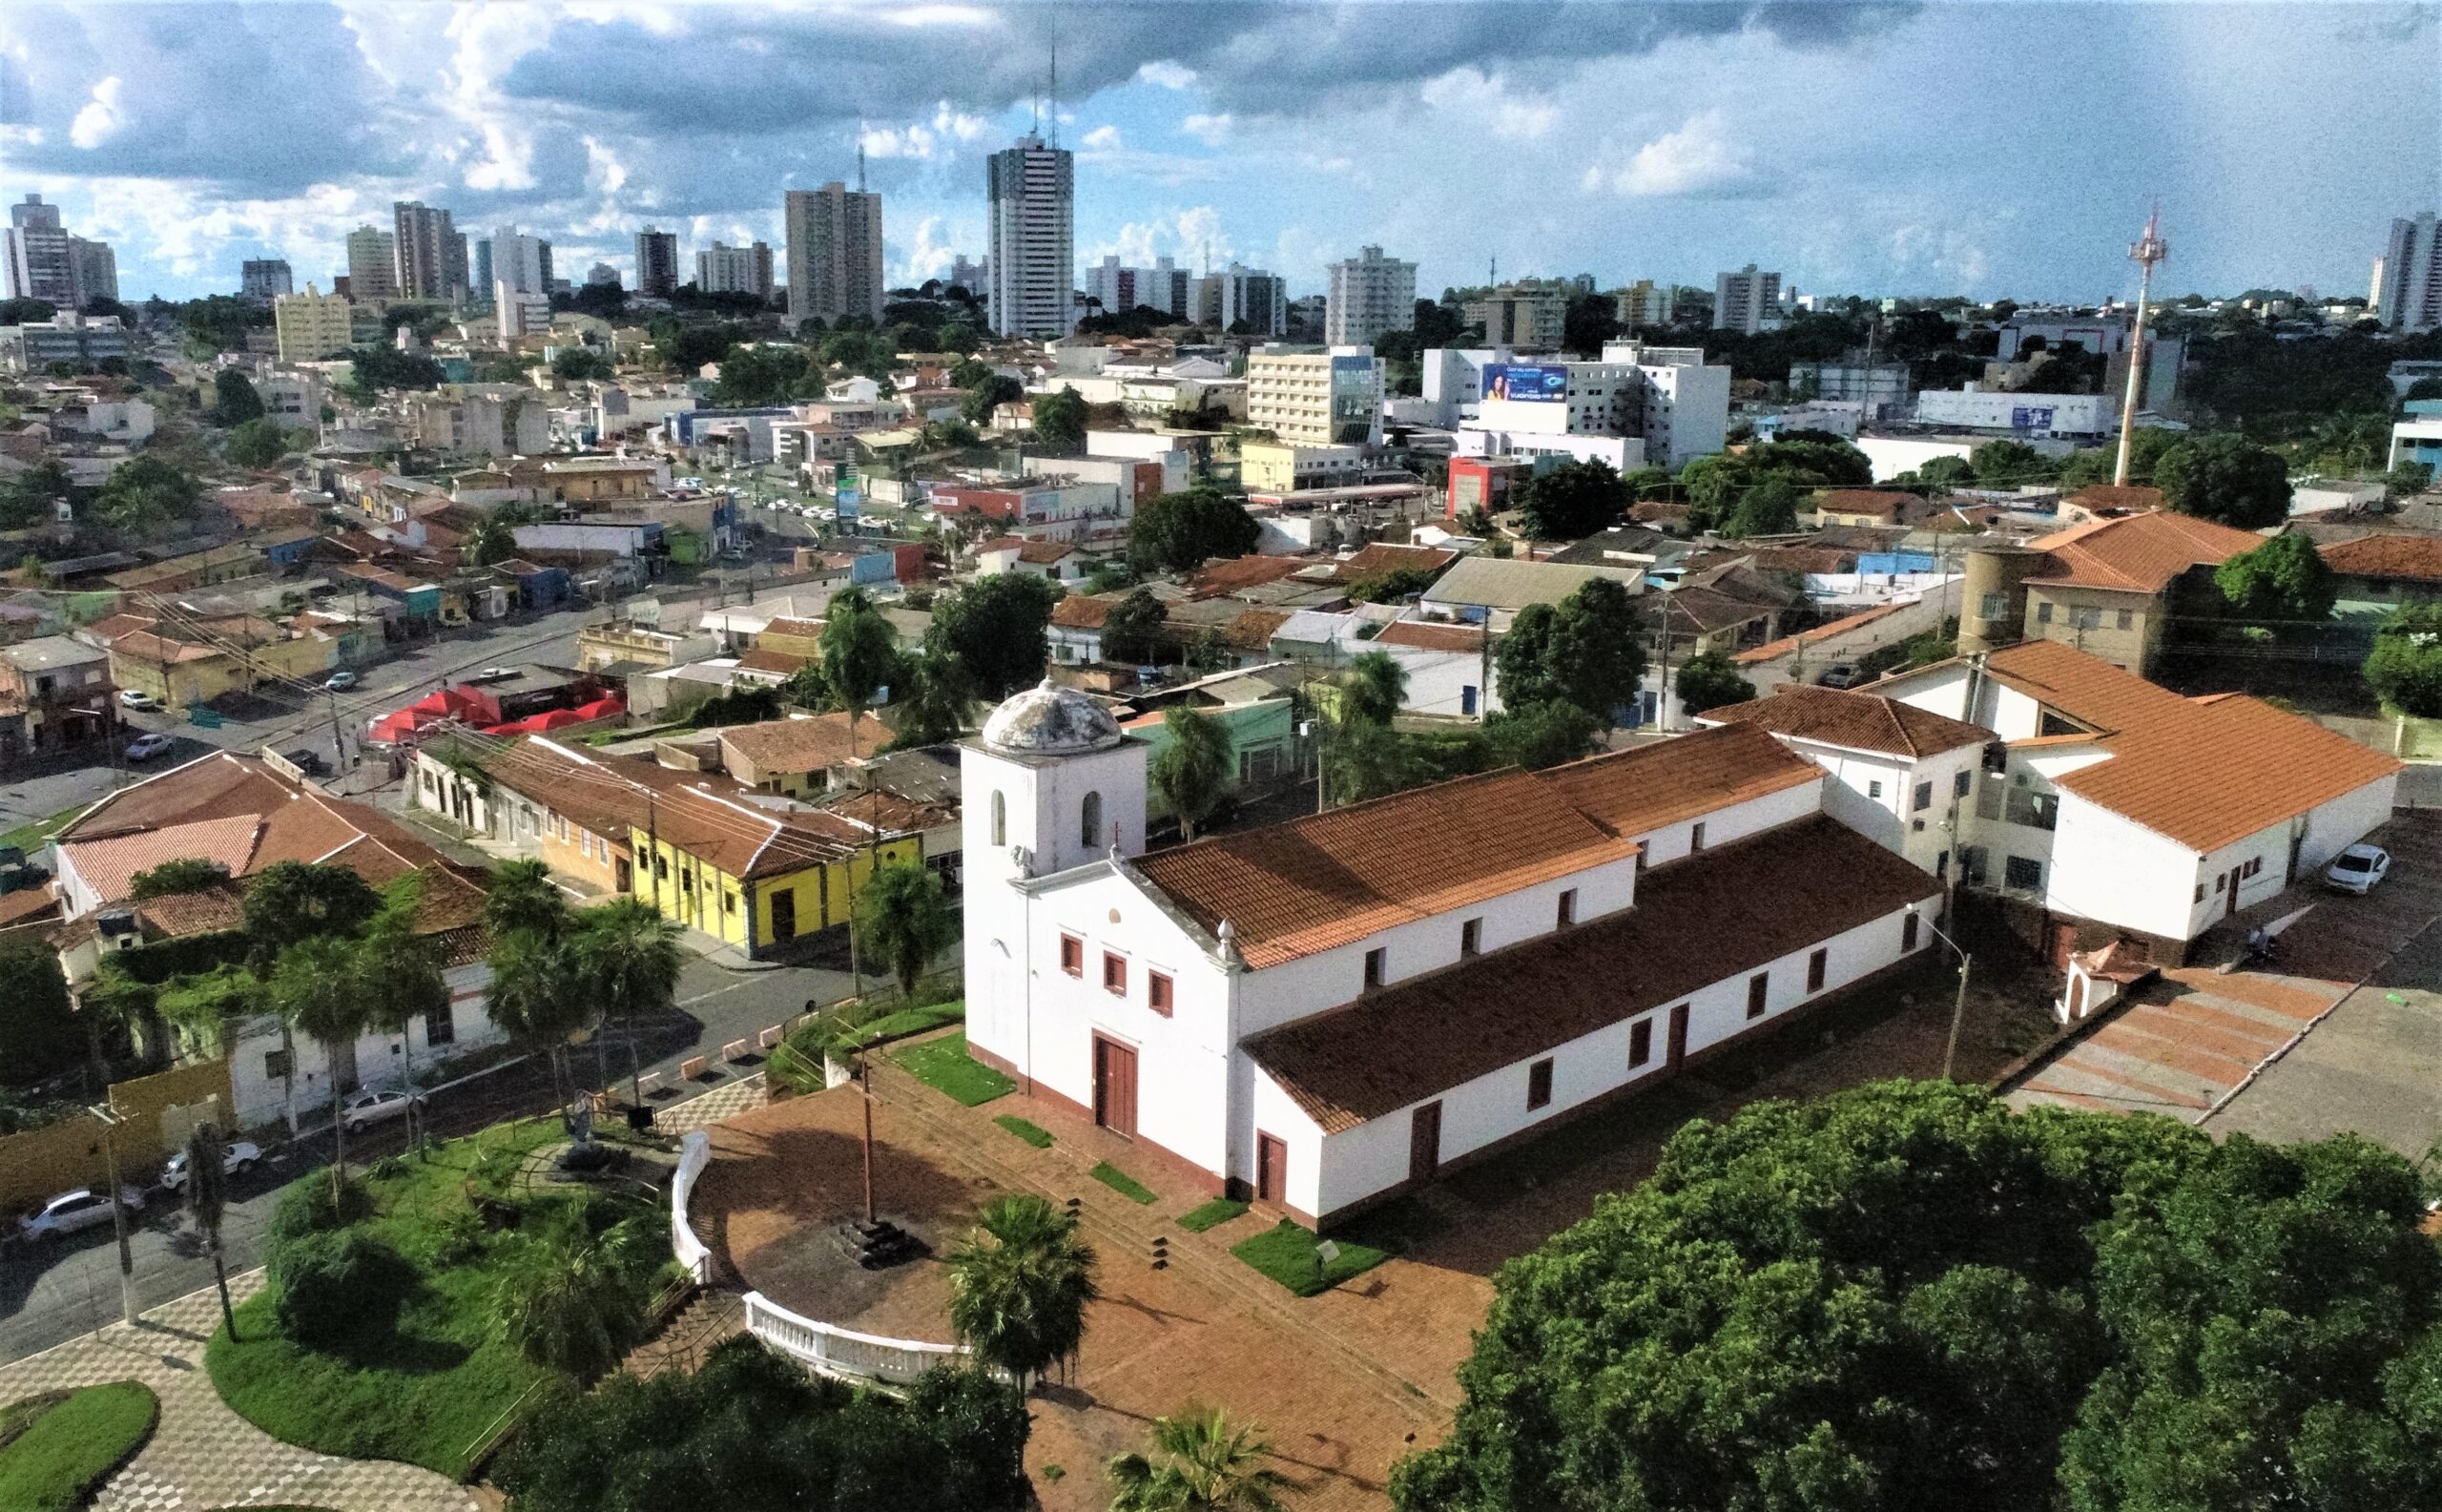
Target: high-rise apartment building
x,y
2408,277
1747,301
735,270
431,253
835,253
657,263
602,276
1160,287
1033,190
973,276
311,326
1243,301
94,267
372,266
1646,302
44,262
1330,398
1533,317
265,279
1369,295
521,287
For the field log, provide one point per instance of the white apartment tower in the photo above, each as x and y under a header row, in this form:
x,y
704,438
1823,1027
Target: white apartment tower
x,y
835,253
39,263
657,263
521,271
1746,301
1161,287
1369,295
1646,302
1033,190
735,270
2408,277
372,266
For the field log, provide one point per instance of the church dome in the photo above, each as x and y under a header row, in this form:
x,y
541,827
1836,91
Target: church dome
x,y
1046,720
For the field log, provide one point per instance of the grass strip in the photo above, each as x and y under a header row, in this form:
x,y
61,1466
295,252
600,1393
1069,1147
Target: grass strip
x,y
944,1065
66,1453
1212,1215
1034,1134
1121,1182
1288,1254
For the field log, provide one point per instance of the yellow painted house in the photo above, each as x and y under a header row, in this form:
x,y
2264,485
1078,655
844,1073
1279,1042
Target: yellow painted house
x,y
756,878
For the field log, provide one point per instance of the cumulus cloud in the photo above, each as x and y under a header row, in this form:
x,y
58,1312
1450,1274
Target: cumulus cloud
x,y
1210,129
1699,160
1187,236
1167,75
1492,102
1101,139
99,121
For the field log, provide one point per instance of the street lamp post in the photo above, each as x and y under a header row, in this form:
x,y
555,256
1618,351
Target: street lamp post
x,y
110,1120
1958,1009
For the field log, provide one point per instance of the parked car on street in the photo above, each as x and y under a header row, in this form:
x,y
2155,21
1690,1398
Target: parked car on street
x,y
145,747
2357,869
1842,674
239,1156
340,681
74,1210
137,698
368,1109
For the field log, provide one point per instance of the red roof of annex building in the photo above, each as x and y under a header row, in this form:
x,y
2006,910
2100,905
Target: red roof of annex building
x,y
1855,721
1711,918
2204,772
2137,554
1325,880
2413,559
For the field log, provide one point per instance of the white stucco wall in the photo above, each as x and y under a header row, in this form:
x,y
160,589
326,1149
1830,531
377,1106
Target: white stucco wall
x,y
1674,841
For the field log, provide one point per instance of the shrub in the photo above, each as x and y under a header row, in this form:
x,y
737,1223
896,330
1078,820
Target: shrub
x,y
311,1207
334,1284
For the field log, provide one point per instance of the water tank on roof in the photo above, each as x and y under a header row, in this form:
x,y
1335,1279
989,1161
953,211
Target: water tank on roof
x,y
1992,612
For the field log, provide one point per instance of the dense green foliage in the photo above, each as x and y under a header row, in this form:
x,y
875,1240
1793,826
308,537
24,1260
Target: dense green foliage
x,y
2285,580
329,1283
1018,1285
904,919
1059,422
254,443
1907,1295
1571,501
1756,491
144,493
1136,630
2223,476
1191,771
1202,1462
1710,680
993,627
1581,651
234,400
1540,735
69,1449
1179,533
374,370
2405,666
39,1033
753,1430
578,363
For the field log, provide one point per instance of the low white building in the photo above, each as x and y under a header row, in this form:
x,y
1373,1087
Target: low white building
x,y
2081,415
1325,1013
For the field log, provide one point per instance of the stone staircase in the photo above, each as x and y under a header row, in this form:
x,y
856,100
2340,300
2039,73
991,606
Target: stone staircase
x,y
711,1316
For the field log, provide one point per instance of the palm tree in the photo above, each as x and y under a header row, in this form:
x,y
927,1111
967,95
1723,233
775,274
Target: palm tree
x,y
490,541
538,996
860,653
569,1306
1019,1286
1201,1463
1193,772
938,702
904,920
629,957
403,974
207,1200
1374,690
523,897
319,992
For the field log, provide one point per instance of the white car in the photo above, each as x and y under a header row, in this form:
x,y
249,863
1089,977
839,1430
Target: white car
x,y
145,747
367,1108
137,698
494,674
340,681
71,1211
2357,869
239,1156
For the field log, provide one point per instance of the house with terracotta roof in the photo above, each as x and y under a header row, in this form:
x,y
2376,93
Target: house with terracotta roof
x,y
795,757
2116,808
2112,586
1328,1012
1869,506
1898,773
2386,569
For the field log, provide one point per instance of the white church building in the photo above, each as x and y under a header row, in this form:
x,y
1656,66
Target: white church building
x,y
1323,1013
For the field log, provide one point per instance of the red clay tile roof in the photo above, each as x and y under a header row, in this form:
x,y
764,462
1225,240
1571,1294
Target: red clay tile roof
x,y
1714,916
1646,787
1878,503
2206,775
29,904
1237,573
2140,553
1253,629
1381,559
2413,558
1043,553
1790,645
781,662
1082,611
1856,721
802,629
803,745
2126,496
1430,635
1290,890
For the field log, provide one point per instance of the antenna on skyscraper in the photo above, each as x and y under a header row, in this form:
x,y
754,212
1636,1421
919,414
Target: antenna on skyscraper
x,y
1055,90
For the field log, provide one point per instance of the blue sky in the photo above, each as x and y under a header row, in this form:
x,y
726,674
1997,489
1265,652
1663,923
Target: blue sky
x,y
2008,148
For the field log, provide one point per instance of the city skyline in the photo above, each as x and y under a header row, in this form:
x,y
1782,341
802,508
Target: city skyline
x,y
1866,149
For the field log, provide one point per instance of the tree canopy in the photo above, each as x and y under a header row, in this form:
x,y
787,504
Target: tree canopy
x,y
1060,421
994,627
1710,680
1191,771
2223,476
144,493
1571,501
2405,666
234,400
2285,579
1135,630
1583,650
1908,1295
1179,533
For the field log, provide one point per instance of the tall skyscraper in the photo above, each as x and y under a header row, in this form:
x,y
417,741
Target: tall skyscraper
x,y
2408,277
1162,287
735,270
657,263
372,266
431,253
1370,293
265,279
521,270
973,276
95,269
1033,189
1243,301
40,265
1747,301
835,253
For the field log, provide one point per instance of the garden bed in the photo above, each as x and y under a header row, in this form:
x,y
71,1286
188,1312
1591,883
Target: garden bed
x,y
429,1379
61,1452
1289,1254
944,1065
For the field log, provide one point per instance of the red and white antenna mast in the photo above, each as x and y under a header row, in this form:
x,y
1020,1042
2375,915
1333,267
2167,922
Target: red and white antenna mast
x,y
2147,250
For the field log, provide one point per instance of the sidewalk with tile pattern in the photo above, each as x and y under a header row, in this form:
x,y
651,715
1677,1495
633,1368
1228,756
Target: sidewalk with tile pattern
x,y
202,1454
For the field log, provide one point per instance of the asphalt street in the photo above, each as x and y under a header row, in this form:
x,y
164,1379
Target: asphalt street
x,y
51,1293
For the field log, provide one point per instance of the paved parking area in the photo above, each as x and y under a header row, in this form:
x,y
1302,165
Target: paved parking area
x,y
2189,1042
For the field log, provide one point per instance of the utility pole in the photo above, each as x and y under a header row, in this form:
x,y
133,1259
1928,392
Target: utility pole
x,y
2147,250
110,1120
